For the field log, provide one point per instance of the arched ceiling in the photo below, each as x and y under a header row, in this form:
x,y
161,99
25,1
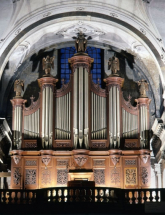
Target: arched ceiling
x,y
27,26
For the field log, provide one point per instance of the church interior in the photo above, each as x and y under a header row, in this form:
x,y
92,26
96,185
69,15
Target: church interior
x,y
82,101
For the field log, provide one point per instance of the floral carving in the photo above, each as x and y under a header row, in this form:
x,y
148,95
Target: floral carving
x,y
144,175
30,177
46,176
115,175
31,163
115,160
98,145
144,158
80,159
62,163
17,176
99,176
131,176
62,176
16,159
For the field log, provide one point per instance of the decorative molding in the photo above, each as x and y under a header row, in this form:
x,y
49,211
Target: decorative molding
x,y
98,162
47,14
130,176
62,176
17,176
144,174
115,175
30,176
30,162
34,106
16,159
18,31
113,15
97,89
45,176
130,162
128,106
99,176
80,159
80,8
66,88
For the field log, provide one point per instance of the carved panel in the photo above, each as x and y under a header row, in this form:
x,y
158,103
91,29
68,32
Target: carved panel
x,y
98,162
130,162
31,163
17,176
98,145
30,145
144,174
30,176
45,176
131,144
130,176
63,145
62,176
62,163
99,176
115,175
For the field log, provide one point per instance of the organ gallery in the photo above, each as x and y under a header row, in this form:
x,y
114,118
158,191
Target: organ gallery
x,y
80,132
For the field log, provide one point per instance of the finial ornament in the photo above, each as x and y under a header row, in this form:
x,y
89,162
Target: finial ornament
x,y
47,64
114,65
18,88
143,86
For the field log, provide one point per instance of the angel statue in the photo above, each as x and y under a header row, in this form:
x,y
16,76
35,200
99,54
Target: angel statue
x,y
18,87
113,64
81,42
143,86
47,64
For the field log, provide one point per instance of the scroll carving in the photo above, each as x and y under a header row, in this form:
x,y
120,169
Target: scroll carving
x,y
30,177
131,176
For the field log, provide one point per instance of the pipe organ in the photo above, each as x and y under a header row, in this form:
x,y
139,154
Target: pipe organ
x,y
81,126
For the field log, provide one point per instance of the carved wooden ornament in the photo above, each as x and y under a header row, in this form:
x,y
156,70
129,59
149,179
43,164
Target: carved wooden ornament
x,y
144,158
16,159
80,159
46,159
115,159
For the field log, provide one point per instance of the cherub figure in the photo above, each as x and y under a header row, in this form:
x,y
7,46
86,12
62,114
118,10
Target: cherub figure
x,y
143,86
47,64
113,64
18,87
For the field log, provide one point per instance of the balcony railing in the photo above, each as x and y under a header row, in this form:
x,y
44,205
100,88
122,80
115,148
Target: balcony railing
x,y
81,194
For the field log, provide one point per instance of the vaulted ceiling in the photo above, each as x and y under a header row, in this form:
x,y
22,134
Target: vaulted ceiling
x,y
132,26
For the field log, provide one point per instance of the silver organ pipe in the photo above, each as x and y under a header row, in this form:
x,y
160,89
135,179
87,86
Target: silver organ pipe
x,y
98,116
81,106
85,83
75,118
31,125
17,127
62,119
143,126
130,124
114,117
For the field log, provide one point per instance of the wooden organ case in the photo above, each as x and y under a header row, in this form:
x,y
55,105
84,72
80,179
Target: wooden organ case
x,y
80,132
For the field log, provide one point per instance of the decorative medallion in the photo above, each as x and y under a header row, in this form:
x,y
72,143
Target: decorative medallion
x,y
46,159
144,158
30,176
144,174
46,176
17,176
16,159
99,176
115,175
115,159
62,176
131,176
80,159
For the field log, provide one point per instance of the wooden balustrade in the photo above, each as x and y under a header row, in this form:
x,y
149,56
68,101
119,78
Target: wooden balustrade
x,y
81,194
